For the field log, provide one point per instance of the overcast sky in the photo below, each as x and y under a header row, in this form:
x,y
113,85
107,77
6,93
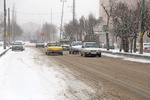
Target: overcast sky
x,y
39,11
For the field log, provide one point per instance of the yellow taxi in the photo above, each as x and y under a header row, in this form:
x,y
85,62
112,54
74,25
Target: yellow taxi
x,y
54,47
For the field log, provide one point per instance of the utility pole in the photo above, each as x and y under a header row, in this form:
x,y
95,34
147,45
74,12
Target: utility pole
x,y
73,10
9,25
4,24
51,16
73,18
52,22
142,29
62,17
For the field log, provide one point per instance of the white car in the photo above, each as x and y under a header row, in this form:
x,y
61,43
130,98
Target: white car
x,y
146,47
90,49
18,45
75,47
65,46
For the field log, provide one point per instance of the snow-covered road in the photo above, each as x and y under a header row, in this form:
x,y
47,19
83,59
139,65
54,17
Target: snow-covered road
x,y
30,75
23,77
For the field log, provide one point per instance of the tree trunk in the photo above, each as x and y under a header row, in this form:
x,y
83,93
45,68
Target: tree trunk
x,y
121,42
134,45
107,41
131,45
126,44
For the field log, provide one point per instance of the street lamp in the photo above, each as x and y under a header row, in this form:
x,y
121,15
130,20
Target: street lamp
x,y
62,16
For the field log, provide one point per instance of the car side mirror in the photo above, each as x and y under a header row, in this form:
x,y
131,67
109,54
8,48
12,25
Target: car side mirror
x,y
82,46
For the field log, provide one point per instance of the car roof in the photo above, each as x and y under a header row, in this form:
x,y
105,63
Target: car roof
x,y
146,43
77,42
89,42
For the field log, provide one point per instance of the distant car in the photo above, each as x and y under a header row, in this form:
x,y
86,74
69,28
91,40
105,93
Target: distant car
x,y
111,46
146,47
54,47
18,45
90,49
64,43
39,44
75,47
65,46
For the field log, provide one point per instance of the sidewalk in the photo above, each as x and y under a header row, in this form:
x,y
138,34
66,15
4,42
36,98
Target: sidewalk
x,y
2,51
126,54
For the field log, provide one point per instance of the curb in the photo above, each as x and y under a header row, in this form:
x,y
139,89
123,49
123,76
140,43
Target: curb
x,y
128,55
4,52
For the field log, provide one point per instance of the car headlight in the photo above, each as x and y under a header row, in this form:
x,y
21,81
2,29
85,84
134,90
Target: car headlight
x,y
87,51
98,50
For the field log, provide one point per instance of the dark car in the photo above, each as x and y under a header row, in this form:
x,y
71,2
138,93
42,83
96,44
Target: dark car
x,y
111,46
39,44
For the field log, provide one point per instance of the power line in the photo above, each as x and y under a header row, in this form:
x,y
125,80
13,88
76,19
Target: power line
x,y
38,13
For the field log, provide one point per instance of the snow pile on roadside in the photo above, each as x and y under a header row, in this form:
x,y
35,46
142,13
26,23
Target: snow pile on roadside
x,y
117,51
126,58
2,49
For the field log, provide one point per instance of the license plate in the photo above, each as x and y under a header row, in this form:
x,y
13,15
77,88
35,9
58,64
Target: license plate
x,y
93,53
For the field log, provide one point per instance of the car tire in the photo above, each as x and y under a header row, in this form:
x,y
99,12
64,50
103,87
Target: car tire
x,y
99,55
12,49
81,54
84,55
69,52
72,52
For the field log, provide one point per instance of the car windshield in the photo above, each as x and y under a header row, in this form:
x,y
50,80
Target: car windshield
x,y
53,44
64,42
147,45
91,45
17,43
77,43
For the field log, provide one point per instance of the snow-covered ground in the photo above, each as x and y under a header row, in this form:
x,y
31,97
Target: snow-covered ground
x,y
117,50
30,75
21,78
2,49
126,58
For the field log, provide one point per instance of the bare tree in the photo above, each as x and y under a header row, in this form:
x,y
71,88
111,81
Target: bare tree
x,y
50,31
82,27
16,30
